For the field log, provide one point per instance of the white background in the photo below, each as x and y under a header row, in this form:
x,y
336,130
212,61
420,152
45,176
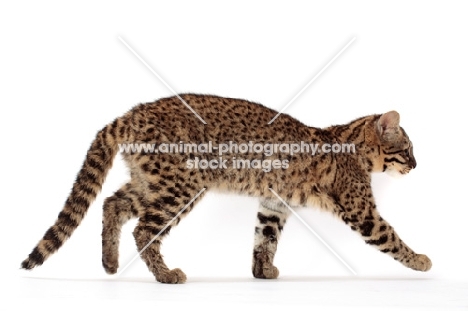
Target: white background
x,y
64,75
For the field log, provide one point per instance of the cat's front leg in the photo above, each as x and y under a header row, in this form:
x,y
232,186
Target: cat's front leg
x,y
271,218
378,232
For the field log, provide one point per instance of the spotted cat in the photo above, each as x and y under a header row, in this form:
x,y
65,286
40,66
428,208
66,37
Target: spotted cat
x,y
163,185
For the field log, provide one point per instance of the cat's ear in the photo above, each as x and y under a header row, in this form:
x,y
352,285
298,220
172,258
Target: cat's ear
x,y
389,125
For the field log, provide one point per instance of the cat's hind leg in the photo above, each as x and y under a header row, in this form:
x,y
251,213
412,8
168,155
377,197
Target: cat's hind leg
x,y
271,219
165,209
117,210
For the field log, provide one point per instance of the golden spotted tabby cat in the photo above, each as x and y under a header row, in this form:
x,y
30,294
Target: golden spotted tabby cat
x,y
165,179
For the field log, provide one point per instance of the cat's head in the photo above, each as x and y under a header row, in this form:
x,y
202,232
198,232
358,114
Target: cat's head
x,y
396,149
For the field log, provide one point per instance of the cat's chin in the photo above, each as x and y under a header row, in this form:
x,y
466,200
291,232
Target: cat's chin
x,y
395,174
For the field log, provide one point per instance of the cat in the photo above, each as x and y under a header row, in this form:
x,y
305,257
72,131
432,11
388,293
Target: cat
x,y
163,184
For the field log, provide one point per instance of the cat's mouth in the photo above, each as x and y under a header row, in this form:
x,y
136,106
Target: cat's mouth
x,y
405,171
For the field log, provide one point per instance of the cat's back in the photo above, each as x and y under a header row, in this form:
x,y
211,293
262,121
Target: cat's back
x,y
215,117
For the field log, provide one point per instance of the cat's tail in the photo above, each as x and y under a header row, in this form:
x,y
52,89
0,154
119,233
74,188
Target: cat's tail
x,y
87,185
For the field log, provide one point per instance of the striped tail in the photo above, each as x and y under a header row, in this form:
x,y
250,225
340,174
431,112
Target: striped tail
x,y
87,185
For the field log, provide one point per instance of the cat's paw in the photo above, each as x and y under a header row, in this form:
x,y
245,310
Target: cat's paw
x,y
421,263
270,272
265,271
110,264
175,276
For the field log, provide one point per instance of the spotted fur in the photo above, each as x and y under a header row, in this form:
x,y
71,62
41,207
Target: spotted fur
x,y
161,185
